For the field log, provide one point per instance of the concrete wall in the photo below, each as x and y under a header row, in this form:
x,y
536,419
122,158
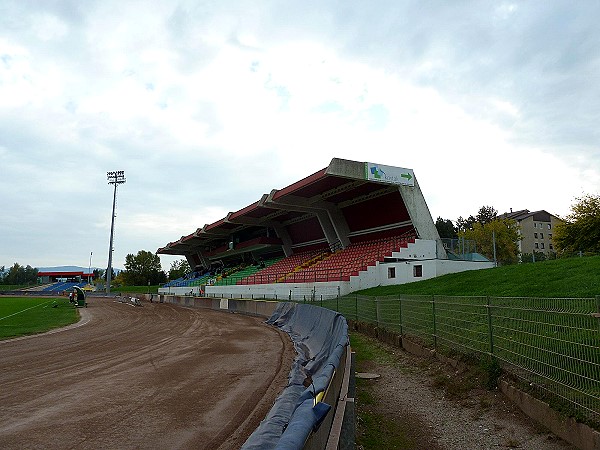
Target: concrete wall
x,y
259,308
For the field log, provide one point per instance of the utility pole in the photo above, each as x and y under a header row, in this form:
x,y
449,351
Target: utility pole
x,y
115,178
90,269
494,243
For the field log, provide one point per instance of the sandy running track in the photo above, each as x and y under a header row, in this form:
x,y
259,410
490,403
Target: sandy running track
x,y
157,376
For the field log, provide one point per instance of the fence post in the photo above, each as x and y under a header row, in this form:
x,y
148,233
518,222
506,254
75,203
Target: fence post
x,y
400,301
490,329
597,315
434,322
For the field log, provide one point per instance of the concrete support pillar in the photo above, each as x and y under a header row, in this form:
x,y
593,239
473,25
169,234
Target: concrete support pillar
x,y
283,234
342,230
420,216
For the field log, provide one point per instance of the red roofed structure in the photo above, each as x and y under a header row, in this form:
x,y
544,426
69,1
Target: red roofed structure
x,y
345,206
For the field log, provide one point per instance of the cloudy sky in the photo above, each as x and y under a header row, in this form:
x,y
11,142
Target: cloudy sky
x,y
208,105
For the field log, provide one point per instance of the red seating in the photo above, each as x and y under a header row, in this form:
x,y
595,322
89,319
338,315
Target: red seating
x,y
339,266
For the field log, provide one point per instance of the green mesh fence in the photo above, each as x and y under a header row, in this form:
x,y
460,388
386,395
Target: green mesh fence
x,y
552,344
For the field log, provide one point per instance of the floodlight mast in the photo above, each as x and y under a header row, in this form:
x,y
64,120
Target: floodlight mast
x,y
116,178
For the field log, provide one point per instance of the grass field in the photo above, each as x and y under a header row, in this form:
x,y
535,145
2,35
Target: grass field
x,y
30,315
12,287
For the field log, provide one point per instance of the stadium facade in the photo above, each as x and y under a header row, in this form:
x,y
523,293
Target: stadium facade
x,y
350,226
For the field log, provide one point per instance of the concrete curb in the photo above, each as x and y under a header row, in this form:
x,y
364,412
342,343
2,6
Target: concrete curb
x,y
567,428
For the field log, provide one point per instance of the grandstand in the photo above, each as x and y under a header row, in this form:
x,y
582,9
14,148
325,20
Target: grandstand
x,y
349,226
61,281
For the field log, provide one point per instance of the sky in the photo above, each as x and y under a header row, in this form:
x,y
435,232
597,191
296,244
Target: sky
x,y
207,105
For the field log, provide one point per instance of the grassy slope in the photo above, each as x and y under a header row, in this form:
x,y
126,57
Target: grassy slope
x,y
136,289
574,277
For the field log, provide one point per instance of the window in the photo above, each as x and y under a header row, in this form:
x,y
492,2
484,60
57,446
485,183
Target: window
x,y
549,235
537,245
418,271
541,235
535,235
551,248
542,245
549,226
391,272
534,225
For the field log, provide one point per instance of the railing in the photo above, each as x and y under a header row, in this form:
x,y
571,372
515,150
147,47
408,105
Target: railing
x,y
461,247
311,274
551,344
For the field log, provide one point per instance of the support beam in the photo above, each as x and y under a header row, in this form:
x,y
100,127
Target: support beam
x,y
420,216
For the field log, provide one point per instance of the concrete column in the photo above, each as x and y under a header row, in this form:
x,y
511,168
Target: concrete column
x,y
283,234
327,227
420,216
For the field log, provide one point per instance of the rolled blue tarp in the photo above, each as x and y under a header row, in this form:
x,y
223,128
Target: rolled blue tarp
x,y
319,336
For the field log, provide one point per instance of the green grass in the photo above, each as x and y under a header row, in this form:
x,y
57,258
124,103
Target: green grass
x,y
13,287
572,277
30,315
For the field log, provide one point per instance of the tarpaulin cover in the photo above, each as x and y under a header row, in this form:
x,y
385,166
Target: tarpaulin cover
x,y
320,337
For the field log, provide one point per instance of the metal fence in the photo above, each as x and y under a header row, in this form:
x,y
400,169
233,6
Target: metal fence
x,y
552,344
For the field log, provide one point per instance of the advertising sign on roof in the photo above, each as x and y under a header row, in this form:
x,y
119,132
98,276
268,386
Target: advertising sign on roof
x,y
389,174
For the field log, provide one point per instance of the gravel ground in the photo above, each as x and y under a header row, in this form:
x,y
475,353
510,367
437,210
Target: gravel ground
x,y
428,396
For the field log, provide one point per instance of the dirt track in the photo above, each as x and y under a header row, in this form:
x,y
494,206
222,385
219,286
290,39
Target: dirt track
x,y
157,376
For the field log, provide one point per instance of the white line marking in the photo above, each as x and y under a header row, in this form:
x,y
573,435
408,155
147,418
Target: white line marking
x,y
26,309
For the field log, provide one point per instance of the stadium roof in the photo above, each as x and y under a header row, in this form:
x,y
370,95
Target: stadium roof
x,y
64,274
341,202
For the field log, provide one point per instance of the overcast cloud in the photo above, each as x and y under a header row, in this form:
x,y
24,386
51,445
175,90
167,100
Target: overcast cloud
x,y
206,106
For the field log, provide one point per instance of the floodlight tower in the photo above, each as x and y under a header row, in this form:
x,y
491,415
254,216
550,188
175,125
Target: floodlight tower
x,y
116,178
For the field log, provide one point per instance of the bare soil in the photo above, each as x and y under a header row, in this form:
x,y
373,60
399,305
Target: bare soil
x,y
157,376
439,407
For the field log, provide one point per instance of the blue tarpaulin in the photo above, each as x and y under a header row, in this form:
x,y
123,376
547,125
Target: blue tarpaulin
x,y
320,337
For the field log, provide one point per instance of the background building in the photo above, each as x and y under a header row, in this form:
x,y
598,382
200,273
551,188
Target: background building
x,y
536,230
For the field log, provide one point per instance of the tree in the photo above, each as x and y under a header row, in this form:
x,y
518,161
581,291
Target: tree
x,y
446,228
119,280
581,229
179,268
506,233
18,274
143,268
465,224
486,214
113,275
